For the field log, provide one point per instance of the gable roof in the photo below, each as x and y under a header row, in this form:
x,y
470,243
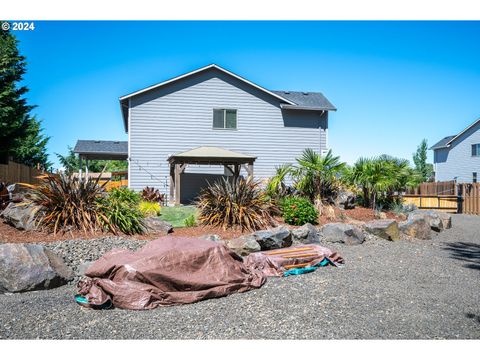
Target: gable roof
x,y
102,149
442,143
306,100
292,99
447,141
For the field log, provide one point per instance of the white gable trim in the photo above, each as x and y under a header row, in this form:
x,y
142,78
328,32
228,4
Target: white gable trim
x,y
213,66
468,128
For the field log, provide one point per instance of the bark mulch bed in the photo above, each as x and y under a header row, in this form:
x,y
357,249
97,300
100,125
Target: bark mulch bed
x,y
12,235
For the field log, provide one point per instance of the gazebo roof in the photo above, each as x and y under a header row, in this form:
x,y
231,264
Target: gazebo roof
x,y
211,154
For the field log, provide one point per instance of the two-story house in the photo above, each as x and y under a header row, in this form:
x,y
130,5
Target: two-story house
x,y
189,130
457,157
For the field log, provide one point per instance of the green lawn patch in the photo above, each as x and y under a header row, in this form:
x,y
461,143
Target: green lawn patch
x,y
176,215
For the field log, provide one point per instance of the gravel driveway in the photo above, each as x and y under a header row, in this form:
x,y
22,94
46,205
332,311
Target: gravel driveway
x,y
390,290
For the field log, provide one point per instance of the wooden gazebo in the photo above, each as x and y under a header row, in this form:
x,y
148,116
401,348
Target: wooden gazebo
x,y
206,155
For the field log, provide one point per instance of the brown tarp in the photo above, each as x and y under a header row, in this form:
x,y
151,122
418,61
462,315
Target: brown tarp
x,y
167,271
276,262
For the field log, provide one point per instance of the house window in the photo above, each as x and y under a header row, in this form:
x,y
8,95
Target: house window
x,y
224,119
475,149
474,177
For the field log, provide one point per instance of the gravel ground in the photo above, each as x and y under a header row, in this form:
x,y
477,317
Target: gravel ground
x,y
393,290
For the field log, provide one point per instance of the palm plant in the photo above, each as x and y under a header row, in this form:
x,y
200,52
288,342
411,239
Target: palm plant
x,y
277,186
381,176
316,175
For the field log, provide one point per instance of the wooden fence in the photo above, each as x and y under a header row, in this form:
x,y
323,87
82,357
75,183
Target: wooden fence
x,y
469,195
434,188
445,203
16,173
446,196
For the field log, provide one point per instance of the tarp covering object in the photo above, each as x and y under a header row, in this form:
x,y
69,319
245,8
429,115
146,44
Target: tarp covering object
x,y
167,271
278,262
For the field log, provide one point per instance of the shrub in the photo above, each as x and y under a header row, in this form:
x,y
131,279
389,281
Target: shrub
x,y
125,195
152,195
240,203
190,221
69,203
298,211
122,212
149,209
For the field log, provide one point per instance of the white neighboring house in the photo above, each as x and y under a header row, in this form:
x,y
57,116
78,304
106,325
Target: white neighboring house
x,y
457,157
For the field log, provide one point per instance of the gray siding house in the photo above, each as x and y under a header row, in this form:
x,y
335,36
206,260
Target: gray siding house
x,y
457,157
213,107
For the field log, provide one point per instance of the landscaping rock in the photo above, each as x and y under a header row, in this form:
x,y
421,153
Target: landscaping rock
x,y
275,238
416,227
380,215
26,267
21,215
386,229
345,200
244,245
438,221
306,234
156,225
342,233
212,237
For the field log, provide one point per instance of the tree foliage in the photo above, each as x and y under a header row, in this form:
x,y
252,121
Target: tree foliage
x,y
20,133
71,163
380,177
420,161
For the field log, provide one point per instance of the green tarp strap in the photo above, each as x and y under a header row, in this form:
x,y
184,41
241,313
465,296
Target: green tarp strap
x,y
304,270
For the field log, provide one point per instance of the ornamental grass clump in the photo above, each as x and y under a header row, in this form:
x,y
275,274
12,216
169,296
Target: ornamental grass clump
x,y
149,209
69,204
120,207
241,203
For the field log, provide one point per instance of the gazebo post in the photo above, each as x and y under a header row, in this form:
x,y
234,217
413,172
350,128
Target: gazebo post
x,y
177,184
250,169
236,172
172,182
86,169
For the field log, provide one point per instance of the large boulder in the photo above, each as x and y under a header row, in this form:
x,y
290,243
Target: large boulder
x,y
386,229
244,245
437,220
342,233
21,215
275,238
306,234
156,225
416,227
345,200
26,267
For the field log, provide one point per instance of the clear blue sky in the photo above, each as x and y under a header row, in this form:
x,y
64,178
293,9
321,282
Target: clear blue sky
x,y
394,83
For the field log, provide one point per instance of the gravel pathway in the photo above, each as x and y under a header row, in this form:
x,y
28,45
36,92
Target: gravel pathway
x,y
393,290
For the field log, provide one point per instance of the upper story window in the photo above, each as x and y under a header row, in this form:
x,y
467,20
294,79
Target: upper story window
x,y
224,119
475,149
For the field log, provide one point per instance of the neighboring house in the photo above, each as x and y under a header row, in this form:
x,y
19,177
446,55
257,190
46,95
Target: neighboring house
x,y
214,108
457,157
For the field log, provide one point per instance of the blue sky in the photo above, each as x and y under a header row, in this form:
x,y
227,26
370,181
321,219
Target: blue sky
x,y
394,83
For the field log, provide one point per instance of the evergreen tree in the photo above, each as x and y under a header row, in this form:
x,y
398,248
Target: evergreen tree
x,y
20,133
420,160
